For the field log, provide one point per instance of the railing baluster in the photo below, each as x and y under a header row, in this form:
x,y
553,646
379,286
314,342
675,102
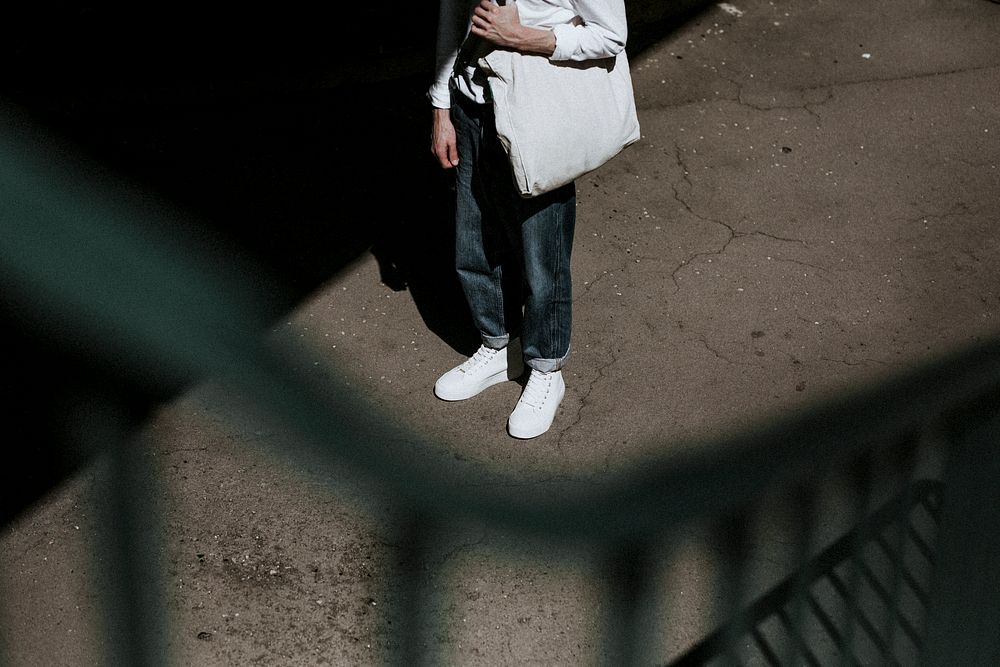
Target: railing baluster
x,y
732,535
629,580
903,465
828,624
765,648
919,591
860,473
414,609
803,649
129,554
802,507
890,602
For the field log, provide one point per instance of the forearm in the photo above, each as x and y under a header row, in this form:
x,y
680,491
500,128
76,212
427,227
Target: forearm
x,y
533,40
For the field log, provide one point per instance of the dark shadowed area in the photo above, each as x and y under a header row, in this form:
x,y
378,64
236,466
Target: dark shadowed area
x,y
297,138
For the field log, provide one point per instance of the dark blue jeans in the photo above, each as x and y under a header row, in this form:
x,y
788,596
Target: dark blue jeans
x,y
512,253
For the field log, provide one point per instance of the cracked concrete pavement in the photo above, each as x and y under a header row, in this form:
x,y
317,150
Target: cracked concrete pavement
x,y
812,207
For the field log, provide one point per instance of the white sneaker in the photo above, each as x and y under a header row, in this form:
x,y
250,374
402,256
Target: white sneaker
x,y
485,368
537,406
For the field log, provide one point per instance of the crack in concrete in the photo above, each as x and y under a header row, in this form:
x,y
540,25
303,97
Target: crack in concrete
x,y
959,208
465,546
589,285
732,230
583,399
708,253
784,239
685,175
715,352
830,87
795,360
911,77
815,114
805,106
860,362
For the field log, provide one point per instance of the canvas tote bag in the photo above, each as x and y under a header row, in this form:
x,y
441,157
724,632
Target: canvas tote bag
x,y
558,120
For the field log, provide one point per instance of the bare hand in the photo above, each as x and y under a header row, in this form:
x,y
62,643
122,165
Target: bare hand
x,y
502,26
444,146
499,25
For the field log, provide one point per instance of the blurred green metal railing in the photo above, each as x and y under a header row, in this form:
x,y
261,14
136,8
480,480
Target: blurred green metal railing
x,y
101,270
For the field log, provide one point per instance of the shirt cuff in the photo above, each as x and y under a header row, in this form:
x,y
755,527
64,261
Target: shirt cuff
x,y
440,95
567,41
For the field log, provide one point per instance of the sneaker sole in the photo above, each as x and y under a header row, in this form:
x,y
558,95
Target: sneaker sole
x,y
478,389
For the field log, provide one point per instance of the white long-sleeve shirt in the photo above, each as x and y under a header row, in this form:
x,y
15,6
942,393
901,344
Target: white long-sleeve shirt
x,y
601,32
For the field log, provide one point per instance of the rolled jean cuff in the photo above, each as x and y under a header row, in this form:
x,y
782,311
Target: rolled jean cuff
x,y
496,342
547,365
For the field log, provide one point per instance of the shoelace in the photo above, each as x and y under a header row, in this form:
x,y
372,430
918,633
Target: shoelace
x,y
482,356
537,389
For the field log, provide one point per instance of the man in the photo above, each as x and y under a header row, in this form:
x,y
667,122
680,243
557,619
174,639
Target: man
x,y
512,254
